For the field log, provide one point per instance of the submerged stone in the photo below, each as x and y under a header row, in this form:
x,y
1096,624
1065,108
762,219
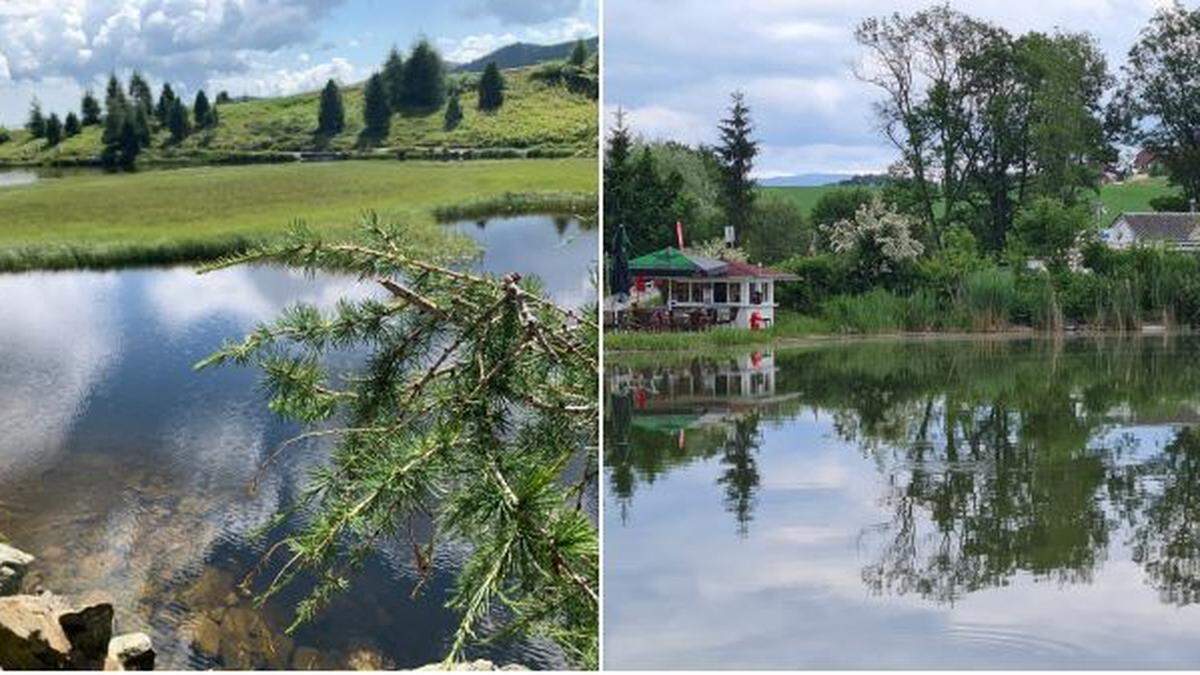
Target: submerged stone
x,y
130,652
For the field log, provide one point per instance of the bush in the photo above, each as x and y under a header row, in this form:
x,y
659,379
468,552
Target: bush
x,y
820,277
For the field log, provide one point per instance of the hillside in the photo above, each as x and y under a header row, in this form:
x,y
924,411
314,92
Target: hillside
x,y
1132,195
521,54
537,119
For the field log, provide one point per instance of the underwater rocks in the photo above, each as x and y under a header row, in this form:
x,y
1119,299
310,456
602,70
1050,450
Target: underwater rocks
x,y
13,564
130,652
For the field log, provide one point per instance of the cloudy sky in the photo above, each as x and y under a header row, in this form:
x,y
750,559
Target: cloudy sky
x,y
56,49
672,63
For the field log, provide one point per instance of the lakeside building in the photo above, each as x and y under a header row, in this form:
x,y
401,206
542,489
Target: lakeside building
x,y
677,289
1173,230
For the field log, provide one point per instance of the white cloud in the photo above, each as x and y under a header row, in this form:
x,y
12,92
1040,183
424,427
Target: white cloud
x,y
266,81
177,40
558,30
521,11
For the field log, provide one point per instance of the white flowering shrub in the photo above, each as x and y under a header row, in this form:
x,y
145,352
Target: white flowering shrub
x,y
878,237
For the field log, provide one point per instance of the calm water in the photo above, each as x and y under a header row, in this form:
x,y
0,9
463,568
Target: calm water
x,y
1021,504
123,470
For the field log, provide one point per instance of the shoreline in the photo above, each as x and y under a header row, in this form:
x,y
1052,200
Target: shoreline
x,y
826,339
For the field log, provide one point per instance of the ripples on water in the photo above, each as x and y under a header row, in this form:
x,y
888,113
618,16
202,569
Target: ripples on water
x,y
955,504
124,470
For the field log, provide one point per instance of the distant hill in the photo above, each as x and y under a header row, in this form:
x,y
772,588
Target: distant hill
x,y
804,180
520,54
537,119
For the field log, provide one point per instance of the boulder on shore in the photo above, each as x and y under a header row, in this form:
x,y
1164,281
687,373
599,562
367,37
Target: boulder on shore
x,y
13,564
130,652
49,632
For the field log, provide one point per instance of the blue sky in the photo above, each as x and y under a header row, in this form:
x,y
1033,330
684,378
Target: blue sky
x,y
672,63
54,50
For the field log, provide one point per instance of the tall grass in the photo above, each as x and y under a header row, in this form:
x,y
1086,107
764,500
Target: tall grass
x,y
516,203
988,297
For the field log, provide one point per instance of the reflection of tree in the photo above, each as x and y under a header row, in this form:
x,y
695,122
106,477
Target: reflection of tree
x,y
1166,542
740,476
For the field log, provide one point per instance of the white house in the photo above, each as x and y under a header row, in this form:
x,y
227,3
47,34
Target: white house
x,y
1173,230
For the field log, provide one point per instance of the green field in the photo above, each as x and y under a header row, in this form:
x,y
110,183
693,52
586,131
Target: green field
x,y
1117,198
99,219
536,117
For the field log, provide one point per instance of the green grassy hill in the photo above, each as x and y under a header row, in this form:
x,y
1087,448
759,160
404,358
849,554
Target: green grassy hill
x,y
537,119
1117,198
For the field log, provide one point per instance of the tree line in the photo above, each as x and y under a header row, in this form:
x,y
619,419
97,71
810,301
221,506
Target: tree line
x,y
1002,142
418,84
130,117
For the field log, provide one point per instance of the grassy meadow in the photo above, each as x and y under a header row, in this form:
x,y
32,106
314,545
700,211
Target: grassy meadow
x,y
536,117
95,219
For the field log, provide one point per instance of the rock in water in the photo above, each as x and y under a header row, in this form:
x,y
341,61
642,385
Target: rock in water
x,y
44,632
13,564
130,652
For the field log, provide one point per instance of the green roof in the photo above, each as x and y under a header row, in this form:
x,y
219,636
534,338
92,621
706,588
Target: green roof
x,y
671,261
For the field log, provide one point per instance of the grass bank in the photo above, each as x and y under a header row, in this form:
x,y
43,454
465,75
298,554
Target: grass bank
x,y
788,326
96,220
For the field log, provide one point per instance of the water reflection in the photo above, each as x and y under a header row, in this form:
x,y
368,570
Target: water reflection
x,y
939,478
123,470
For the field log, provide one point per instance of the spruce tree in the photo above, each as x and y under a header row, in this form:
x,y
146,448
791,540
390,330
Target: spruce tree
x,y
454,113
165,100
140,94
477,397
579,55
735,154
36,124
54,130
393,78
114,96
617,173
71,125
202,111
177,121
130,143
90,108
331,116
141,125
377,114
424,78
491,88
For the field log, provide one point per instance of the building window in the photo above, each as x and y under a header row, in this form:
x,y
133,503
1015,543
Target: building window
x,y
698,292
720,292
735,293
679,292
756,294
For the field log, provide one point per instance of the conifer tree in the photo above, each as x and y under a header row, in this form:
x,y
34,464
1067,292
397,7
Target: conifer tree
x,y
579,55
377,114
71,125
477,396
165,100
114,96
141,125
131,143
177,121
36,124
491,88
331,116
53,130
393,78
454,113
735,154
202,111
424,78
90,108
140,94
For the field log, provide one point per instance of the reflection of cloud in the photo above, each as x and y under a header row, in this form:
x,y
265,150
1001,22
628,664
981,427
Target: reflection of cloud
x,y
243,294
56,341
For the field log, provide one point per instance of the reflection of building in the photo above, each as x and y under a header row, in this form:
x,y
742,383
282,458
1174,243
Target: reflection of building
x,y
726,382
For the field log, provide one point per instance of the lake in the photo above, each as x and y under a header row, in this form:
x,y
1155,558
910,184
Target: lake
x,y
941,504
124,471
